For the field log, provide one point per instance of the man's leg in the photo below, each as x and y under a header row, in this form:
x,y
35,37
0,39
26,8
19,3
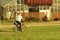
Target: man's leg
x,y
19,27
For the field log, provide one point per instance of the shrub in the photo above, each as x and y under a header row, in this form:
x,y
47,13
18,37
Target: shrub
x,y
56,19
45,19
32,19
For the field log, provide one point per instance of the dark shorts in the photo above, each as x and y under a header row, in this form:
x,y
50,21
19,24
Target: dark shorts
x,y
17,23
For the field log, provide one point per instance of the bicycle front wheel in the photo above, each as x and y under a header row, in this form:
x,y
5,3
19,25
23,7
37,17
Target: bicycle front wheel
x,y
23,27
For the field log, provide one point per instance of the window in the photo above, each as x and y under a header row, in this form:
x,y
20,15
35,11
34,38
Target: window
x,y
22,1
47,7
18,2
55,1
40,7
55,8
44,7
10,8
58,1
22,7
34,9
26,7
18,7
59,8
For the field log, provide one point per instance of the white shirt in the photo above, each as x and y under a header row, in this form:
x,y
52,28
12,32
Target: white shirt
x,y
19,17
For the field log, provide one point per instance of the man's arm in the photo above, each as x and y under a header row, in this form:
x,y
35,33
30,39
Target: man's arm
x,y
22,19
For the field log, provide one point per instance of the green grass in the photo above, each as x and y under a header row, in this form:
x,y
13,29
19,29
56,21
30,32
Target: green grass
x,y
31,33
6,22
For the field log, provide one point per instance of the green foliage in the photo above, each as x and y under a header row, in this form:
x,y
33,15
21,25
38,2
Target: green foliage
x,y
32,19
6,22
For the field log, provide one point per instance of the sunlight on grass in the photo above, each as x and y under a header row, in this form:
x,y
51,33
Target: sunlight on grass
x,y
31,33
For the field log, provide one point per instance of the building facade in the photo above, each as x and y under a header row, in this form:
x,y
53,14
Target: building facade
x,y
7,7
27,6
47,6
55,7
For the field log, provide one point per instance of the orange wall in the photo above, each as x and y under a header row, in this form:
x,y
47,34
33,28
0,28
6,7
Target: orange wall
x,y
55,15
40,15
33,14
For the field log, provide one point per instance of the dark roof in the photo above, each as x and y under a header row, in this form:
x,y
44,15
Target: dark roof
x,y
4,2
40,2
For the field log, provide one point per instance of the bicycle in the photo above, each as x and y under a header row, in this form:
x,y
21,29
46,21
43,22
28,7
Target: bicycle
x,y
17,27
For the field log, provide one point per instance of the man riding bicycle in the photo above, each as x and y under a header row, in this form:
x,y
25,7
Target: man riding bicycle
x,y
18,21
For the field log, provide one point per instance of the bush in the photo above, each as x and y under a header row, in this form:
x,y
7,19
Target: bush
x,y
45,19
56,19
27,19
32,19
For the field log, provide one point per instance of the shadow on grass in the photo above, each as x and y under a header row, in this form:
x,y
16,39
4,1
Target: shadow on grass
x,y
5,31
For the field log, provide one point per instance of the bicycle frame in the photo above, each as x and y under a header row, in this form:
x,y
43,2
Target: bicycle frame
x,y
17,27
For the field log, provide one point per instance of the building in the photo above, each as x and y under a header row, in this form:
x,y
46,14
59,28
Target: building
x,y
34,6
47,7
6,8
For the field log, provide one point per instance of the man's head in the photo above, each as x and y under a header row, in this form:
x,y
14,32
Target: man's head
x,y
19,14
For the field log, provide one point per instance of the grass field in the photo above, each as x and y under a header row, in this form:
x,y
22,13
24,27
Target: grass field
x,y
31,33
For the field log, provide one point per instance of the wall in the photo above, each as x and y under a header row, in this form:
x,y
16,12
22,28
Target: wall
x,y
33,14
41,15
55,15
47,12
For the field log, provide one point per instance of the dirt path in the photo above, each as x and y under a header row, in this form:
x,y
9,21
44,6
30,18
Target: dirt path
x,y
44,24
33,24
